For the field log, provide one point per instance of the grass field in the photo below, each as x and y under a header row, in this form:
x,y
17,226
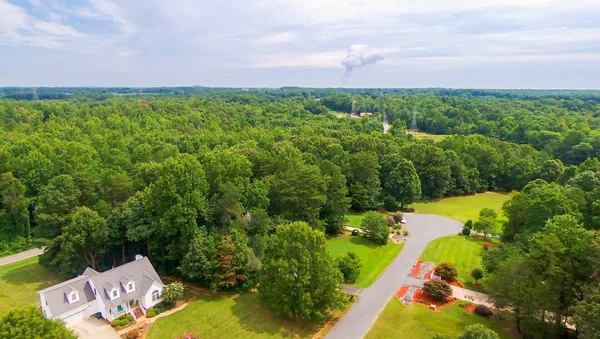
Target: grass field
x,y
19,283
417,321
353,219
464,252
374,258
435,137
465,208
232,316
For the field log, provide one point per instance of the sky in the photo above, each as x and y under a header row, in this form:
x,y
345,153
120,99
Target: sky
x,y
318,43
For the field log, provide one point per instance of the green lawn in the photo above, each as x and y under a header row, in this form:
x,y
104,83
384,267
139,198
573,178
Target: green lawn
x,y
230,316
374,258
19,283
435,137
464,252
417,321
465,208
354,219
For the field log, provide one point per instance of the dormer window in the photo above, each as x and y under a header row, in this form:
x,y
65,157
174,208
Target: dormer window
x,y
73,297
114,293
130,287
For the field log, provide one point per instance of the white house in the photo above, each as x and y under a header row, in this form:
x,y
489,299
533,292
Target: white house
x,y
111,293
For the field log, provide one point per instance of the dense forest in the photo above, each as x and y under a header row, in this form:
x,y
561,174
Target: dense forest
x,y
197,179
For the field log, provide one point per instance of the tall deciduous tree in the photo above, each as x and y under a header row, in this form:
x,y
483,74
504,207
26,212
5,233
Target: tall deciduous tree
x,y
403,183
376,227
299,277
29,322
56,201
337,203
82,243
14,216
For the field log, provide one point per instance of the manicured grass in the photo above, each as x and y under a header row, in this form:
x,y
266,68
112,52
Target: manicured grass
x,y
354,219
232,316
20,281
465,208
417,321
435,137
374,258
464,252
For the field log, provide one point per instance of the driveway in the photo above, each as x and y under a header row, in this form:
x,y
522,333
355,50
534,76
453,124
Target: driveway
x,y
93,328
361,316
20,256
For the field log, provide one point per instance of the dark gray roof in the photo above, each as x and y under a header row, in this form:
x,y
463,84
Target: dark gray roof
x,y
56,296
139,271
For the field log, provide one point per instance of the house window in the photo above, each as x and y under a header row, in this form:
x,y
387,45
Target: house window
x,y
73,297
155,295
115,293
130,287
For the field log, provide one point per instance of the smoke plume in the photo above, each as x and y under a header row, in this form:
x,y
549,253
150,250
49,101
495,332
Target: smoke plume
x,y
359,55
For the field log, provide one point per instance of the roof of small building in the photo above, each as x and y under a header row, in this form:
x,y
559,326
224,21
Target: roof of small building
x,y
140,272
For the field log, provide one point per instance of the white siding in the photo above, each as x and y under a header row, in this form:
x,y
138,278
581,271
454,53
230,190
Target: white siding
x,y
147,299
45,307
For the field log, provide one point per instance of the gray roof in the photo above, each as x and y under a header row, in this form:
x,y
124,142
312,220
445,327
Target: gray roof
x,y
139,271
56,296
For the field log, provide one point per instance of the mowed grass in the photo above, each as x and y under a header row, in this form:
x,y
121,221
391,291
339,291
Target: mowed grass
x,y
417,321
374,258
354,219
435,137
464,252
232,316
20,281
466,207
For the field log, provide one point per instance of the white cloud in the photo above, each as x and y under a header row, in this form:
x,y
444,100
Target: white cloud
x,y
275,38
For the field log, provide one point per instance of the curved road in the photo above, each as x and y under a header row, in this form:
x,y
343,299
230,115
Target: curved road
x,y
361,316
20,256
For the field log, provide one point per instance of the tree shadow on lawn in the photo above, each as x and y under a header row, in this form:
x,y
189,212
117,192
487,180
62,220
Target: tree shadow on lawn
x,y
364,242
31,274
253,316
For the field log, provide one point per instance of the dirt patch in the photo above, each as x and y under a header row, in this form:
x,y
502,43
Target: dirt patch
x,y
469,308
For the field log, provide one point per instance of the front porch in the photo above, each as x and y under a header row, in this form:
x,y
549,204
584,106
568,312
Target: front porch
x,y
133,307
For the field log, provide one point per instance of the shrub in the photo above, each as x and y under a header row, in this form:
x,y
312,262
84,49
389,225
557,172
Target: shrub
x,y
151,313
477,274
478,331
390,221
189,335
133,334
349,265
466,231
438,289
397,217
173,292
405,233
398,232
483,311
488,213
469,224
446,270
355,233
408,209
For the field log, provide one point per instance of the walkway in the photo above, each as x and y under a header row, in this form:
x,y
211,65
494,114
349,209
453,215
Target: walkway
x,y
361,316
21,256
472,296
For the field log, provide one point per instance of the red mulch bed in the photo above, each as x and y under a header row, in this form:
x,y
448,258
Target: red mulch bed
x,y
426,299
416,269
428,274
402,291
470,309
456,283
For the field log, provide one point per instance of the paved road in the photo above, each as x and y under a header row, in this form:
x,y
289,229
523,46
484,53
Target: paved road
x,y
361,316
20,256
